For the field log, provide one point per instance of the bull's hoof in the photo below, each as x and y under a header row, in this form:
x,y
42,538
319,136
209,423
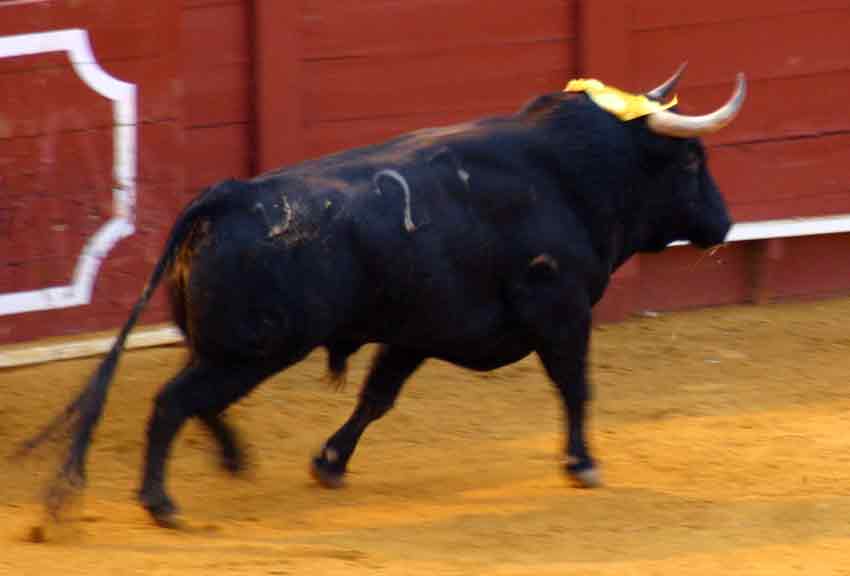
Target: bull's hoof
x,y
584,474
162,509
234,462
61,495
324,473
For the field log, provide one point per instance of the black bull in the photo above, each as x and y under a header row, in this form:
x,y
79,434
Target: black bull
x,y
477,244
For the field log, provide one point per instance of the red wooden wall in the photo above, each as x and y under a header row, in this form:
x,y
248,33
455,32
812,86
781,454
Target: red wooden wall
x,y
56,156
217,82
332,75
787,153
372,69
232,87
785,156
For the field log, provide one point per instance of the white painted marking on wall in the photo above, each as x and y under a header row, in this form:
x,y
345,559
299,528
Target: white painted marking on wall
x,y
123,95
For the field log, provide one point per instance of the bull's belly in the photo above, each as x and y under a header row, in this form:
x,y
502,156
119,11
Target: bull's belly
x,y
487,355
473,330
482,348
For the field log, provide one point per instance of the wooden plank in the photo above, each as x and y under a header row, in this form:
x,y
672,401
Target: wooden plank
x,y
56,154
334,30
217,152
45,100
160,90
324,137
327,137
36,236
810,267
776,175
193,4
782,47
220,96
685,277
119,29
277,51
26,355
603,40
648,14
396,85
44,239
217,82
34,63
621,297
51,202
59,191
109,308
778,109
161,174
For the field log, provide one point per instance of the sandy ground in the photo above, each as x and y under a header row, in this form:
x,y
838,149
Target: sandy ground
x,y
723,435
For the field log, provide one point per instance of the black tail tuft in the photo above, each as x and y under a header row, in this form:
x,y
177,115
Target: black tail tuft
x,y
77,421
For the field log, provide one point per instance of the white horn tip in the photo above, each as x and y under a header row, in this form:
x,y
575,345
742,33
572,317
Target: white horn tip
x,y
741,83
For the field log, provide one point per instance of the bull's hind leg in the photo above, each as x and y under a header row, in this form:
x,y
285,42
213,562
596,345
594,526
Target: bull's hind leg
x,y
231,453
199,389
390,369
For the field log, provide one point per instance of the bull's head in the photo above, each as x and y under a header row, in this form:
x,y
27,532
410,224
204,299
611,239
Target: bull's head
x,y
687,204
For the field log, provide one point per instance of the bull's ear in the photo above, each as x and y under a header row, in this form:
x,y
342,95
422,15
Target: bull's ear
x,y
670,123
662,92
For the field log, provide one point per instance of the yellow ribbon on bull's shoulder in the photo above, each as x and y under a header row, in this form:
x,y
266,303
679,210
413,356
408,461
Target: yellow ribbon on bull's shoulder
x,y
623,105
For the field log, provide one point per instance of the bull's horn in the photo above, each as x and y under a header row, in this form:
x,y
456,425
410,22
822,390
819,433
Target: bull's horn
x,y
660,93
680,126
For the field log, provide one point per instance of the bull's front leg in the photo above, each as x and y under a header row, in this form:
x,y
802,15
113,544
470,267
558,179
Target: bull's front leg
x,y
556,311
391,367
567,369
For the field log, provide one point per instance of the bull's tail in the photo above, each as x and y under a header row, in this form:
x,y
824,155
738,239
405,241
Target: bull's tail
x,y
79,418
